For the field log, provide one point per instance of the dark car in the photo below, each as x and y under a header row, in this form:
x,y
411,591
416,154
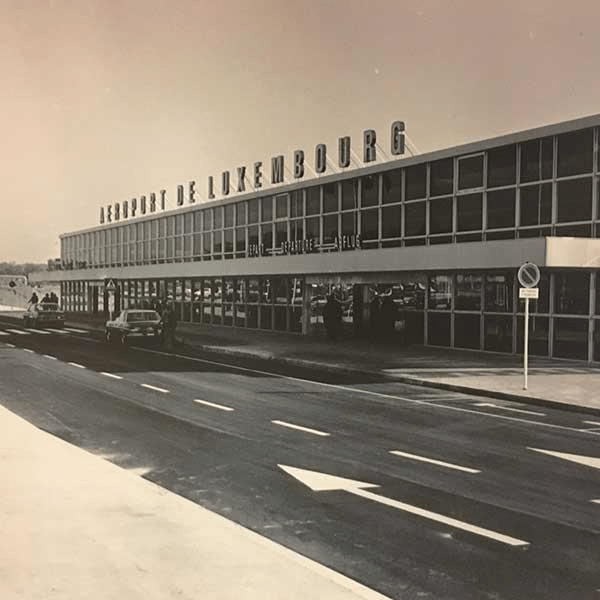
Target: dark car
x,y
133,323
44,314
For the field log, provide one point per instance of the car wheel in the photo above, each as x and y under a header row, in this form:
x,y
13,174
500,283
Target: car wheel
x,y
108,336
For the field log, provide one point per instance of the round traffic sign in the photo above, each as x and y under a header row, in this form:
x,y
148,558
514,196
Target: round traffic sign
x,y
529,275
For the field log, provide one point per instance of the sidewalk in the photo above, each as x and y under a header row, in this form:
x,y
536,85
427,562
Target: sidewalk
x,y
75,526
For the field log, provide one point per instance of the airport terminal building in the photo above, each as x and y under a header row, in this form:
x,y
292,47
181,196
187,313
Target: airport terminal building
x,y
422,249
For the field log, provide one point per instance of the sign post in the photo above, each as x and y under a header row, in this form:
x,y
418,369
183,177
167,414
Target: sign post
x,y
110,288
529,277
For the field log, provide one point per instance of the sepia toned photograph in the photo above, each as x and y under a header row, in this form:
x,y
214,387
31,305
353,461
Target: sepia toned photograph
x,y
300,300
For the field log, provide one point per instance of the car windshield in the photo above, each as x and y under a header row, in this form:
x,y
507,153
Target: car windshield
x,y
47,306
142,315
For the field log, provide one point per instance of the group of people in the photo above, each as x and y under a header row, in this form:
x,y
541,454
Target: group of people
x,y
49,298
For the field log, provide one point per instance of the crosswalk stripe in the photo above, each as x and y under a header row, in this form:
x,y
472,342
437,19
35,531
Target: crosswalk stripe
x,y
3,333
56,330
18,331
37,331
75,330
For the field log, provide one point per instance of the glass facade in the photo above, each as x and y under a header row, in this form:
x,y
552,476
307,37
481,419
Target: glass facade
x,y
539,187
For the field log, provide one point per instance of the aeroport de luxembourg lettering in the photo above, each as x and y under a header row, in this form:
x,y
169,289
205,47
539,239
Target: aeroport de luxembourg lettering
x,y
150,204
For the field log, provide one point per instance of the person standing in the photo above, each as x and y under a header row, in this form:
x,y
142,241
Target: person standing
x,y
332,317
34,299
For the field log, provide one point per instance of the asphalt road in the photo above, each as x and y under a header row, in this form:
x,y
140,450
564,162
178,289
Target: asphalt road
x,y
470,498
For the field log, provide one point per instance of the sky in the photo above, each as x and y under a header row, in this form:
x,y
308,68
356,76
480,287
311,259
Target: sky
x,y
106,100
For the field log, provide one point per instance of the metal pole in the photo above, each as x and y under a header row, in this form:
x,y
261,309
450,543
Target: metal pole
x,y
526,351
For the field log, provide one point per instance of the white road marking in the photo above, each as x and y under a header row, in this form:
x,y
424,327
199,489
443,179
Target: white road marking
x,y
10,345
56,330
519,410
219,406
42,331
111,375
588,461
434,462
18,331
325,482
50,357
592,423
3,333
365,392
153,387
595,501
73,364
76,330
300,428
28,350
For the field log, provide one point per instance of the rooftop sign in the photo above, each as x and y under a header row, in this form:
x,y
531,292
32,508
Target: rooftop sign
x,y
150,204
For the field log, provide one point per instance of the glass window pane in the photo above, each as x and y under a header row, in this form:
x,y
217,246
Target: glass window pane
x,y
370,190
349,194
416,182
392,186
502,166
414,216
330,198
266,232
281,206
253,211
391,221
466,331
501,209
296,203
536,204
571,338
441,177
438,329
470,172
330,229
369,228
575,200
575,152
499,292
281,233
498,333
218,217
440,292
440,215
240,239
229,215
313,200
530,161
207,219
571,292
228,241
313,229
468,212
468,291
217,242
349,223
240,213
253,238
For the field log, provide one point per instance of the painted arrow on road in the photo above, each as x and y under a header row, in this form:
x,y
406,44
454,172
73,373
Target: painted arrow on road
x,y
588,461
320,482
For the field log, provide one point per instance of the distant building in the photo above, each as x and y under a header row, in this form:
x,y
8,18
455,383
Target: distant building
x,y
440,236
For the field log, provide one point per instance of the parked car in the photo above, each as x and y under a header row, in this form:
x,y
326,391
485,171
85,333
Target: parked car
x,y
133,323
44,314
